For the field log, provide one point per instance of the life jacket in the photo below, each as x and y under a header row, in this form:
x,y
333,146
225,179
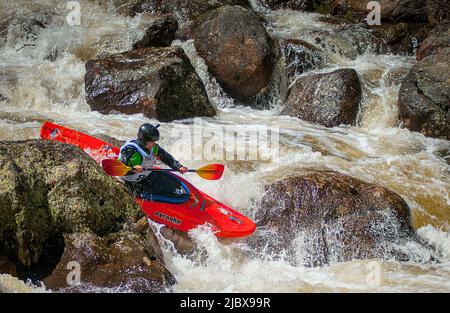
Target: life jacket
x,y
148,160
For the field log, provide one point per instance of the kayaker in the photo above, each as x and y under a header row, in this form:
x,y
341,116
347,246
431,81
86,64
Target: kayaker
x,y
143,153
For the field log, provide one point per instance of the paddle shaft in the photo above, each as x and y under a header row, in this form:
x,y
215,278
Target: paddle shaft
x,y
164,170
171,170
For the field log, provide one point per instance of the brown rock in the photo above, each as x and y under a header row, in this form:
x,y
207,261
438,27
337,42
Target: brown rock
x,y
237,49
160,34
438,11
396,76
49,188
328,217
438,40
329,99
300,5
123,260
161,83
424,98
57,205
394,10
185,11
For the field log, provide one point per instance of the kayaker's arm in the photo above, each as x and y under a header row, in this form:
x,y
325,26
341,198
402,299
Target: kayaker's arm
x,y
130,157
168,159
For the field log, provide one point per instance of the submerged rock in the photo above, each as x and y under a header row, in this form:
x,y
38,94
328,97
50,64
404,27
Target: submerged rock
x,y
237,49
323,217
160,34
424,98
25,26
161,83
50,190
300,57
329,99
395,38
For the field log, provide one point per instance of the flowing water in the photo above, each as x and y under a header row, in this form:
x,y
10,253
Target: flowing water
x,y
42,78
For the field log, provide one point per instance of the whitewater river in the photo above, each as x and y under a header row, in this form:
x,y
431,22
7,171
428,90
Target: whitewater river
x,y
36,89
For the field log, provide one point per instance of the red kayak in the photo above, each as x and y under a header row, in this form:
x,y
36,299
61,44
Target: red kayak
x,y
172,200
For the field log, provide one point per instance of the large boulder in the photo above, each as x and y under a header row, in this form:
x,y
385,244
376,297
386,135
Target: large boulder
x,y
50,190
329,99
438,40
424,98
185,11
161,83
124,260
322,217
237,49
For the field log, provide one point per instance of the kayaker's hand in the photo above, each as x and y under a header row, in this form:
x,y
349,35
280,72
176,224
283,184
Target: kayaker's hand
x,y
137,168
183,169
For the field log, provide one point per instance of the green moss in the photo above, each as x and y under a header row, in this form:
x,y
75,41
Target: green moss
x,y
49,189
325,8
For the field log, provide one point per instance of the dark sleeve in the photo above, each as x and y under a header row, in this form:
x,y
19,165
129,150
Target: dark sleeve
x,y
127,156
167,159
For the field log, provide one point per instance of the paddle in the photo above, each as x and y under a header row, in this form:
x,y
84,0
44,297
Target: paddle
x,y
116,168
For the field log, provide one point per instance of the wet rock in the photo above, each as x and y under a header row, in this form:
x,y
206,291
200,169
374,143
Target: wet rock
x,y
424,98
322,217
161,83
396,76
396,38
329,99
438,11
122,260
57,205
301,5
438,40
237,49
160,34
50,188
109,139
185,11
394,10
349,40
300,57
181,240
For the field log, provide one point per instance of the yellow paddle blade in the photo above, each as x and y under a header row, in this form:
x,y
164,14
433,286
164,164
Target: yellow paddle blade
x,y
211,171
115,168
